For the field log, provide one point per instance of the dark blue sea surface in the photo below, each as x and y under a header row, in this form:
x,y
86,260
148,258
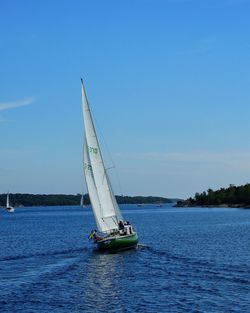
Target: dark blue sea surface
x,y
188,260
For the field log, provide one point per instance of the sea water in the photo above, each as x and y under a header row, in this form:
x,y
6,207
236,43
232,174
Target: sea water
x,y
188,260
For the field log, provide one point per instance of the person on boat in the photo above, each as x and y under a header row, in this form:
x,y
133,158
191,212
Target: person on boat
x,y
125,228
121,225
128,227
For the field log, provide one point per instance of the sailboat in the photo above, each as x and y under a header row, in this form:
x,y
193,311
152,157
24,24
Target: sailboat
x,y
114,233
82,201
9,208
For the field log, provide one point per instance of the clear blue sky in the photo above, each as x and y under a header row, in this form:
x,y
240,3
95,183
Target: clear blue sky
x,y
168,83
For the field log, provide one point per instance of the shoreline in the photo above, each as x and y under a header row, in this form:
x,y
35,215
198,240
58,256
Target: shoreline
x,y
233,206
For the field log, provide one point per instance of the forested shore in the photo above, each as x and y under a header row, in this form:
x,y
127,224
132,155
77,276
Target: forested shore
x,y
18,199
233,196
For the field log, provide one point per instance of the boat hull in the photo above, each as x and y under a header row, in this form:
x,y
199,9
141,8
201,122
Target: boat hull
x,y
118,243
10,209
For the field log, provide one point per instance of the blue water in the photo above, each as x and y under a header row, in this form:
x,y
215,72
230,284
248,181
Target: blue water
x,y
189,260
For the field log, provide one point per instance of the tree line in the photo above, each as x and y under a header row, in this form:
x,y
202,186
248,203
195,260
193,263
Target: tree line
x,y
231,196
18,199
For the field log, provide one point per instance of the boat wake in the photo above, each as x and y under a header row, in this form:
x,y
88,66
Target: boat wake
x,y
24,272
200,267
141,246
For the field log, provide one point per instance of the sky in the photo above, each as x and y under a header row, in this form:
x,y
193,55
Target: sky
x,y
167,81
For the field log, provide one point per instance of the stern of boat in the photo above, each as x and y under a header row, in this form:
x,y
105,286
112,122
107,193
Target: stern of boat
x,y
118,242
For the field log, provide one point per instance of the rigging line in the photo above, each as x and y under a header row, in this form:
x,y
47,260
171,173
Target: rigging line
x,y
109,168
115,221
109,153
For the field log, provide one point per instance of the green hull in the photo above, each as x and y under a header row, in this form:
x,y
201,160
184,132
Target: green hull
x,y
118,243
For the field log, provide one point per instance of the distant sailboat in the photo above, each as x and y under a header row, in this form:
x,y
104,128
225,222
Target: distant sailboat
x,y
114,232
9,208
82,201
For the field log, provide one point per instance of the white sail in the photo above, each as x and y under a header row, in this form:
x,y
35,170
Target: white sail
x,y
81,202
106,210
93,192
9,208
7,201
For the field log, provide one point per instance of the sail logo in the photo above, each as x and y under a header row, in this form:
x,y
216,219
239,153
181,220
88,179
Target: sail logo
x,y
87,167
93,150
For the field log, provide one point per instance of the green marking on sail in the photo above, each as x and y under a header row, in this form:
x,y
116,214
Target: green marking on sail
x,y
93,150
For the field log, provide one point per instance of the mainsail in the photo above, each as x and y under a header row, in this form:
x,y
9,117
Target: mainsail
x,y
104,205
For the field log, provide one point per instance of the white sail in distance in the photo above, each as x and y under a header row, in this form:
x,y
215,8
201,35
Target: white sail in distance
x,y
7,201
104,205
81,202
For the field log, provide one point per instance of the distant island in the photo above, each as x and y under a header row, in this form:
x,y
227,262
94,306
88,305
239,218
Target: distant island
x,y
233,196
19,199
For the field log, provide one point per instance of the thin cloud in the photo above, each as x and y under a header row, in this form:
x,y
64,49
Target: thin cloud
x,y
15,104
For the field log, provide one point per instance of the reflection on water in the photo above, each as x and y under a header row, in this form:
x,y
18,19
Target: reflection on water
x,y
103,281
